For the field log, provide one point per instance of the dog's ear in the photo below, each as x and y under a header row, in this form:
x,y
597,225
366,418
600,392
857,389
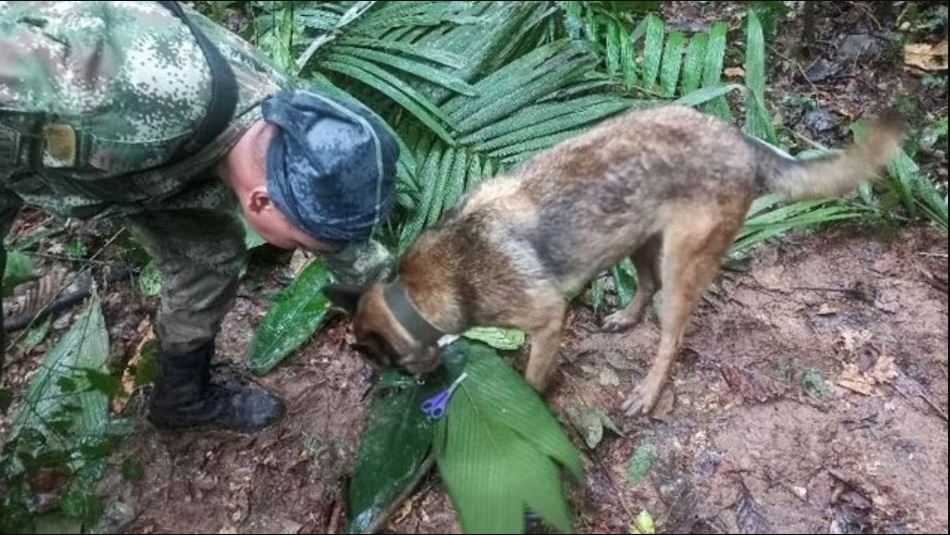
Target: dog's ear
x,y
344,296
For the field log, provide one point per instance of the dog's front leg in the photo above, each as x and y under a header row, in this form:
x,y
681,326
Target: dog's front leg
x,y
545,343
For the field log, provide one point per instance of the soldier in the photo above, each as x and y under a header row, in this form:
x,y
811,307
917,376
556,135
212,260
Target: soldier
x,y
143,111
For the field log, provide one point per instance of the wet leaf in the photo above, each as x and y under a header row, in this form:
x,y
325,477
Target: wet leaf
x,y
640,463
151,280
396,443
298,311
504,339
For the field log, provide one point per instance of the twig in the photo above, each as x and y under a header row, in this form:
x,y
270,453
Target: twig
x,y
335,512
812,143
797,65
926,399
381,519
71,259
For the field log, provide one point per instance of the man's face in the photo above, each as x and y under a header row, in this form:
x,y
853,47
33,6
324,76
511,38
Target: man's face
x,y
272,225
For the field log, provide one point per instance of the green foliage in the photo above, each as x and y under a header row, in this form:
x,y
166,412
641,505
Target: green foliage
x,y
499,448
395,445
63,427
493,411
19,269
151,280
641,462
297,312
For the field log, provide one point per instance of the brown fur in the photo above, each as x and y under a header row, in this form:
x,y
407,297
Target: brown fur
x,y
668,187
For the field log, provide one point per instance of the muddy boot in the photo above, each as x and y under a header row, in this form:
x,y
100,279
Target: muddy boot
x,y
185,397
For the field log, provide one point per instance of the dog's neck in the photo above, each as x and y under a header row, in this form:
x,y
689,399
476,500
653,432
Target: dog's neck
x,y
408,316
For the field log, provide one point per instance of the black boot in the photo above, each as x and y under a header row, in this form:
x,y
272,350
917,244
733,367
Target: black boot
x,y
184,396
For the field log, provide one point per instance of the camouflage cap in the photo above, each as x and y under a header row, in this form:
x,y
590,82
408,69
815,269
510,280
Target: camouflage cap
x,y
331,166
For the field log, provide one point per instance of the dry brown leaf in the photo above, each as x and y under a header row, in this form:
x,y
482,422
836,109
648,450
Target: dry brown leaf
x,y
927,57
852,379
734,72
884,370
128,376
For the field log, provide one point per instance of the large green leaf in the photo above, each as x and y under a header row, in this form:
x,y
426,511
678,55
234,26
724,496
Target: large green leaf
x,y
296,314
672,62
757,123
393,449
693,63
57,387
713,67
652,51
497,448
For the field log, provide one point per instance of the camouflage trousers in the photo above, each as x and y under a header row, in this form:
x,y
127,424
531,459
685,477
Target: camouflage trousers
x,y
200,253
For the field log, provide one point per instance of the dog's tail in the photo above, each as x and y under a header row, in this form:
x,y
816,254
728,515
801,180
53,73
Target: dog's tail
x,y
833,175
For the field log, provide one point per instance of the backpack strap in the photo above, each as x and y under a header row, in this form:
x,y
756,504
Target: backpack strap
x,y
224,93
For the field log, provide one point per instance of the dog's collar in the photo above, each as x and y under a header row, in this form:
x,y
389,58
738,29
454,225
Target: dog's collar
x,y
406,314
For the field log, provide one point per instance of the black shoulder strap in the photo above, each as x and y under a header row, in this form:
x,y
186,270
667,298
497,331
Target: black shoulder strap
x,y
223,87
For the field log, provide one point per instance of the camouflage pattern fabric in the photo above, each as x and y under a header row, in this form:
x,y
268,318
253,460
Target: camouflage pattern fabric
x,y
95,100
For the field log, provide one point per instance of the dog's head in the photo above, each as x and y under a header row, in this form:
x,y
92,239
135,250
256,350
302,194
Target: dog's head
x,y
379,335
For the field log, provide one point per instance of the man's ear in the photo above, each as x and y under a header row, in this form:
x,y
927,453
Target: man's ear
x,y
259,200
344,296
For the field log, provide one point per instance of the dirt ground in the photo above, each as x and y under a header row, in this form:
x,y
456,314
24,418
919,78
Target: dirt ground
x,y
810,396
744,441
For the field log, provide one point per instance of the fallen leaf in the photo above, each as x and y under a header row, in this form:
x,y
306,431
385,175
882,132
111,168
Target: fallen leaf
x,y
131,369
884,370
643,524
852,379
734,72
925,56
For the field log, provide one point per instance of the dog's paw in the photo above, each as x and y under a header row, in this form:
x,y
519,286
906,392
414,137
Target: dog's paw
x,y
642,401
617,322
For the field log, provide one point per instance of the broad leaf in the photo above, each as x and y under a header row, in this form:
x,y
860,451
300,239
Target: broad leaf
x,y
397,442
296,314
497,449
85,346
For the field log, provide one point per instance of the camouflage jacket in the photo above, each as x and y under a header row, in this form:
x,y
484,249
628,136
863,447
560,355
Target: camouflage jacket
x,y
96,97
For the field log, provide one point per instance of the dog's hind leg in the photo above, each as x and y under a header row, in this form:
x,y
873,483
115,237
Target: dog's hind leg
x,y
691,255
646,259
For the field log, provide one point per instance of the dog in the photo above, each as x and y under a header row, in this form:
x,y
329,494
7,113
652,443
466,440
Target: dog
x,y
668,187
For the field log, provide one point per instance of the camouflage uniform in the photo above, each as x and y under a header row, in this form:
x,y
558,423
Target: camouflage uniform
x,y
95,100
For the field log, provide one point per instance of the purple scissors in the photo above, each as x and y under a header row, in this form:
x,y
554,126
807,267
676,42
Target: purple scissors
x,y
436,406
